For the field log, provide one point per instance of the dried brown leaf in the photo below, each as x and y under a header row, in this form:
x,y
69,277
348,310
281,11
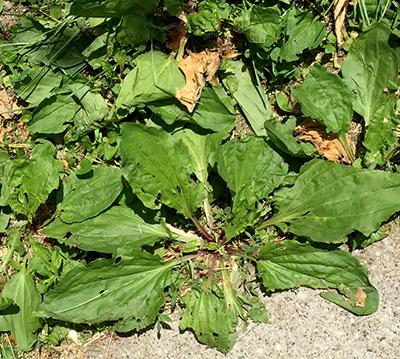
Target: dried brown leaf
x,y
326,143
339,13
175,36
361,297
7,103
197,67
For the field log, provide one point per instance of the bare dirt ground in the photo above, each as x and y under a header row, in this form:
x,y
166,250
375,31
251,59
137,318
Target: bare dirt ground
x,y
302,325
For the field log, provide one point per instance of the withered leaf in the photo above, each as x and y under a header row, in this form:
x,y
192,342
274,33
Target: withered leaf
x,y
175,36
197,67
339,13
361,297
7,103
326,143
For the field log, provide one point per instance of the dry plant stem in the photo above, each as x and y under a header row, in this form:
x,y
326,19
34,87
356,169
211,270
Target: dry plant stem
x,y
347,148
183,236
202,229
195,255
207,212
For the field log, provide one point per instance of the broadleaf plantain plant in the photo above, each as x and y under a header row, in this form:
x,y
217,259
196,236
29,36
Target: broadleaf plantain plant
x,y
148,207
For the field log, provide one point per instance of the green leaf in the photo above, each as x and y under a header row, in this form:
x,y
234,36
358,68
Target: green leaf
x,y
159,173
380,136
111,8
131,288
40,83
87,197
55,11
52,115
41,175
370,67
85,166
325,97
20,316
329,201
281,135
118,230
214,110
373,61
303,31
155,77
249,96
207,18
209,317
92,110
200,149
261,25
362,241
133,28
5,216
252,170
291,264
27,183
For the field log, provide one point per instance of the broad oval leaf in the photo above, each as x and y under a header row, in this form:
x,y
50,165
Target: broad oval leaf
x,y
52,114
93,109
132,288
86,197
252,171
370,67
118,230
249,95
261,25
328,201
20,316
154,78
40,175
214,110
250,159
291,264
303,31
159,173
325,97
373,61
